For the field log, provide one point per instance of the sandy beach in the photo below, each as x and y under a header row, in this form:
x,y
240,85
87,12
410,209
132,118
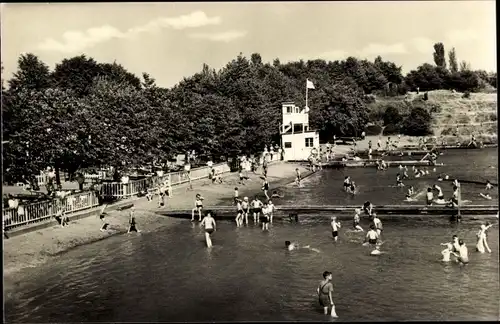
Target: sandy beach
x,y
34,248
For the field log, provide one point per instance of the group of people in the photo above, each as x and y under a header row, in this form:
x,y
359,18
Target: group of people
x,y
458,248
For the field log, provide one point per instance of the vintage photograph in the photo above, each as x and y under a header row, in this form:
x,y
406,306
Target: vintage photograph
x,y
314,161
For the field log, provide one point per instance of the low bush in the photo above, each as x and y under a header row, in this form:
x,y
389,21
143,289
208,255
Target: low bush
x,y
418,123
373,130
392,129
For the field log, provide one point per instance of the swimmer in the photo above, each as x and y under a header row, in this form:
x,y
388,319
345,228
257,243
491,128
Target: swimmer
x,y
489,186
446,253
454,197
482,243
409,193
371,236
335,228
352,188
429,196
485,196
378,224
325,292
440,178
399,183
256,208
446,177
400,167
405,174
209,223
277,195
296,246
355,223
377,250
440,196
198,206
245,206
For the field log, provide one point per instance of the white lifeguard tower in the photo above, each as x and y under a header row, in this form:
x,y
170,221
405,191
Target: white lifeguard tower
x,y
297,139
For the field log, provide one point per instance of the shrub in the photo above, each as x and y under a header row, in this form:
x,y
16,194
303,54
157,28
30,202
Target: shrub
x,y
466,95
392,129
373,130
493,117
426,96
392,116
418,123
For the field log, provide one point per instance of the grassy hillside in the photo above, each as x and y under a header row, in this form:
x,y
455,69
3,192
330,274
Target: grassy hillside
x,y
454,118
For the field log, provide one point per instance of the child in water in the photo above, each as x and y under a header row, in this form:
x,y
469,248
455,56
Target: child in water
x,y
132,223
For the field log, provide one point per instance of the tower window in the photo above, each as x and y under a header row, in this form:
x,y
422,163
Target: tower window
x,y
309,142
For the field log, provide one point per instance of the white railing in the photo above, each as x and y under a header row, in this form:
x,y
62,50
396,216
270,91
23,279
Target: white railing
x,y
132,188
36,212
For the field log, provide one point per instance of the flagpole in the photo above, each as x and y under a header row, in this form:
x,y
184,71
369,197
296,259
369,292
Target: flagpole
x,y
307,88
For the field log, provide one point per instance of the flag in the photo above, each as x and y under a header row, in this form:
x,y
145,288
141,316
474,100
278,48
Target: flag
x,y
309,85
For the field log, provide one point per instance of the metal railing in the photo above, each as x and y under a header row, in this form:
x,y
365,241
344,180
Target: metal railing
x,y
32,213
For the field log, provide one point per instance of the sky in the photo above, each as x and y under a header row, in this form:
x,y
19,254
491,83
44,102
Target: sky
x,y
171,41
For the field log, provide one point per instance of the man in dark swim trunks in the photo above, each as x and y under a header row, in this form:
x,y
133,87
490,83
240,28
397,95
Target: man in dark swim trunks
x,y
133,224
372,235
325,292
209,223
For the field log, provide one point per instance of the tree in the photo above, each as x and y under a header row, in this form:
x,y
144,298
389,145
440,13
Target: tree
x,y
427,77
392,116
464,66
439,55
452,60
31,74
418,123
77,73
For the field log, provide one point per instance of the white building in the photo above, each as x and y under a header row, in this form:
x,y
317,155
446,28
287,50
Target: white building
x,y
297,139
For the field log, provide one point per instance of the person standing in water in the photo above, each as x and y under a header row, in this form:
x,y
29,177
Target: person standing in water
x,y
325,294
399,181
272,208
239,214
463,253
429,196
245,205
355,223
298,177
378,224
371,236
446,253
266,215
256,208
440,196
335,228
489,186
482,244
209,223
132,222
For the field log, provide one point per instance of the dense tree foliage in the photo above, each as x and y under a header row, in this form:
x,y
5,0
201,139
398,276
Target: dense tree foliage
x,y
88,114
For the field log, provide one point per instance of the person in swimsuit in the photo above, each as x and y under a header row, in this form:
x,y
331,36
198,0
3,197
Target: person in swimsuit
x,y
485,196
399,183
446,253
209,223
378,224
256,209
298,177
132,223
236,195
440,195
294,246
429,196
245,206
489,186
272,208
368,208
277,195
335,228
239,213
102,216
352,188
347,183
462,253
372,236
454,197
325,292
355,223
198,206
266,215
265,188
482,243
